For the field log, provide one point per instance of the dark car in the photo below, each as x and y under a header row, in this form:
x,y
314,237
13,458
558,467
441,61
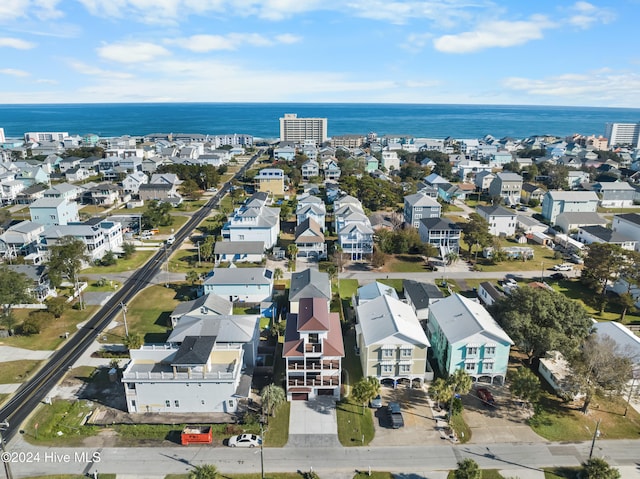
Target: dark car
x,y
485,396
395,415
558,276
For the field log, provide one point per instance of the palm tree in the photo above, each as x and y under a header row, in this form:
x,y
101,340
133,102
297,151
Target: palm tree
x,y
272,396
452,257
133,341
460,383
440,391
192,276
365,390
278,274
467,469
292,249
206,471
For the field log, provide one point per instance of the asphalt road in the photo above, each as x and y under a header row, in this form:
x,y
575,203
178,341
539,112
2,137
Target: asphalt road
x,y
31,393
328,462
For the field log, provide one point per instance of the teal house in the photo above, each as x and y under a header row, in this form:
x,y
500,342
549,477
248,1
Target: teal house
x,y
463,335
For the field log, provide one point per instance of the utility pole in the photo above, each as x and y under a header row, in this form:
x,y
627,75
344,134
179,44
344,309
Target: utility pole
x,y
124,317
261,447
596,433
7,463
198,244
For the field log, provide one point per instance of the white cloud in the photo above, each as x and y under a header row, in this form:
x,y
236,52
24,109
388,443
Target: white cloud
x,y
602,86
231,41
417,41
494,34
13,72
90,70
584,14
132,52
16,43
42,9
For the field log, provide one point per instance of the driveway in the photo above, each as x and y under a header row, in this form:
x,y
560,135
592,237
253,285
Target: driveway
x,y
313,423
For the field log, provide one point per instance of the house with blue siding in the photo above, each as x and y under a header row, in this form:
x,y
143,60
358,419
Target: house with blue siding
x,y
463,335
249,285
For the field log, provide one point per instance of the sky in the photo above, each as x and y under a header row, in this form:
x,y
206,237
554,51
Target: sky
x,y
516,52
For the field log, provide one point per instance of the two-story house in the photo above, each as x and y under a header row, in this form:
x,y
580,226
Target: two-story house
x,y
393,345
313,351
555,202
465,336
507,186
600,234
616,194
310,169
311,207
531,192
420,296
133,181
254,221
419,206
248,285
309,239
53,211
442,233
502,221
270,180
628,224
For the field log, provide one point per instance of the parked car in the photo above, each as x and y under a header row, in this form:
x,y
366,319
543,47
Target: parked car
x,y
376,402
574,258
245,440
485,396
558,276
563,267
395,415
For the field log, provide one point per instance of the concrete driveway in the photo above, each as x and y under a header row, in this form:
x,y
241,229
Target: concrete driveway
x,y
313,423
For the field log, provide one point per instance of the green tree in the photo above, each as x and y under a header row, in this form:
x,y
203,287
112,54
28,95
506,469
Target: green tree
x,y
56,306
31,326
600,367
440,391
538,321
207,248
272,396
596,468
108,259
476,231
365,390
14,289
292,249
278,274
157,214
191,190
459,382
467,469
602,264
378,258
133,341
128,249
192,276
206,471
525,385
65,260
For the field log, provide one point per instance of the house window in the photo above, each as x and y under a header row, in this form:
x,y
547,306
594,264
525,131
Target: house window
x,y
406,353
472,351
470,366
387,352
489,350
405,368
487,366
176,403
387,369
167,403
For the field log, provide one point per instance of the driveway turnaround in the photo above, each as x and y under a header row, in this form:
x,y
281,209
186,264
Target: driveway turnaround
x,y
313,423
9,353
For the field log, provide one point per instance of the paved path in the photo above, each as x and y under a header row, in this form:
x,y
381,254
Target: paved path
x,y
313,423
9,353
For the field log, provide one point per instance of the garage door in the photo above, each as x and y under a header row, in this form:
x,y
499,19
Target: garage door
x,y
325,392
300,396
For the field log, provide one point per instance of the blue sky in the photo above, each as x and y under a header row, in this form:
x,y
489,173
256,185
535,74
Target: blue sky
x,y
521,52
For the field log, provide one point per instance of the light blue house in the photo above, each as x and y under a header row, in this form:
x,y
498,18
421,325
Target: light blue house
x,y
53,211
286,153
463,335
556,201
371,164
249,285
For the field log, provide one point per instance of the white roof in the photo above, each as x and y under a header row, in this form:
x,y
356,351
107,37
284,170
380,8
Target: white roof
x,y
373,290
226,329
387,320
461,319
628,343
573,196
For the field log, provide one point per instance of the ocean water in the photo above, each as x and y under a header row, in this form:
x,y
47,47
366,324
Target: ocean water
x,y
262,119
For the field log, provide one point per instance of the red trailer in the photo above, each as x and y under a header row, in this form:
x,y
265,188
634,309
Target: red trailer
x,y
196,435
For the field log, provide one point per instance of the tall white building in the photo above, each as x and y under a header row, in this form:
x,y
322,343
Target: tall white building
x,y
623,134
298,130
2,138
40,136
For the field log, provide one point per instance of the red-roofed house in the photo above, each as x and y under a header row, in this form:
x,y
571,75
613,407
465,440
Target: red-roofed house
x,y
313,351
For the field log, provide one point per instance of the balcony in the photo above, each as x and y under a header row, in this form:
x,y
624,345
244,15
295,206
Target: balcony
x,y
313,382
313,348
314,365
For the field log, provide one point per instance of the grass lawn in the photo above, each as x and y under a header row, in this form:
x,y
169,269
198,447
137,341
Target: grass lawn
x,y
148,315
354,423
394,283
17,371
66,417
108,287
619,210
178,221
373,475
346,287
184,260
461,428
277,431
560,421
405,263
267,475
51,332
562,472
486,474
136,260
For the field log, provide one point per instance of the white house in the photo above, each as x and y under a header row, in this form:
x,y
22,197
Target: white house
x,y
600,234
390,160
132,182
628,224
248,285
53,211
254,221
502,222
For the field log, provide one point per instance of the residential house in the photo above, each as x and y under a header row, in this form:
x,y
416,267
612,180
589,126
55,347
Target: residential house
x,y
247,285
442,233
31,175
390,160
158,192
470,169
465,336
483,180
63,190
555,369
600,234
238,251
254,221
371,164
488,293
531,192
628,224
507,186
133,181
418,206
502,221
577,178
627,344
616,194
10,190
529,225
286,153
69,163
449,193
98,235
308,283
393,345
206,305
355,235
371,291
77,174
209,372
555,202
331,170
166,179
40,288
20,239
313,350
420,296
310,169
53,211
500,158
105,194
311,207
270,180
309,239
569,222
31,194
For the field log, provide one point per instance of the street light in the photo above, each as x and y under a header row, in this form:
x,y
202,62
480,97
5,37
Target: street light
x,y
261,446
596,434
124,317
198,245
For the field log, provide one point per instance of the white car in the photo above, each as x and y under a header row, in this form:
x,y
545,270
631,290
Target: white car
x,y
171,239
245,440
563,267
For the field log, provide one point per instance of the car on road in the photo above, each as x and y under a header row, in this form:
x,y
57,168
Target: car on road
x,y
485,396
376,402
563,267
395,415
558,276
171,239
245,440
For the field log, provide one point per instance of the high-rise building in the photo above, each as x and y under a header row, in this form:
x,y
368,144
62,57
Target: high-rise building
x,y
2,138
623,134
298,130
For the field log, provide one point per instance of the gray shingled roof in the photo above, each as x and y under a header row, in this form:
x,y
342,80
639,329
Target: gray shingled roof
x,y
309,283
194,350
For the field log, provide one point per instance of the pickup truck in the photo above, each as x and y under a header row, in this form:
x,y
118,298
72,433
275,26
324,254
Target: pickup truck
x,y
395,415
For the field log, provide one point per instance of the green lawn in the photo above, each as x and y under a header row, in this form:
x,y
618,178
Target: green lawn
x,y
17,371
60,416
267,475
405,263
394,283
109,286
136,260
277,431
373,475
486,474
355,423
346,287
178,221
562,472
184,260
460,427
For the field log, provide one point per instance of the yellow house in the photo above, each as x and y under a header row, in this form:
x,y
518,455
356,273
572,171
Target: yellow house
x,y
270,180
